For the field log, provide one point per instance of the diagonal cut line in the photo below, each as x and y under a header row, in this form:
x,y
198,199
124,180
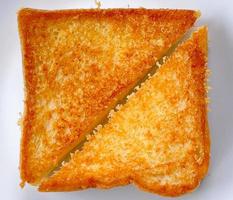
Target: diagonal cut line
x,y
104,121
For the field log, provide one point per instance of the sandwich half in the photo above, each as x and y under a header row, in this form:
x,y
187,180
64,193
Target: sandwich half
x,y
77,65
158,140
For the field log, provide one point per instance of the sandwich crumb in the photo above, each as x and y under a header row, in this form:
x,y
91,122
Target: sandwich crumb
x,y
22,184
88,137
98,4
164,59
118,107
99,127
111,113
158,64
137,88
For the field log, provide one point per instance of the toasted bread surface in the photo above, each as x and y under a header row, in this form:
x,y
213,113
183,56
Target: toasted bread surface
x,y
158,140
77,65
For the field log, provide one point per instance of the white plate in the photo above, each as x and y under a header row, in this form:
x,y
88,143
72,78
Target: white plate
x,y
217,14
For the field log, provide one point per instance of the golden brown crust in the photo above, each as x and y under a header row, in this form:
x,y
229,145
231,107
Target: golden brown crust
x,y
77,64
158,140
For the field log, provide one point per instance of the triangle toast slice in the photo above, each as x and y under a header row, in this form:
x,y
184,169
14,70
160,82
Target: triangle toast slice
x,y
77,65
158,140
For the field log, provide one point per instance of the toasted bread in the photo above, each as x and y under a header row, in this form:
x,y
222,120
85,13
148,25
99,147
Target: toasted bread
x,y
77,65
158,140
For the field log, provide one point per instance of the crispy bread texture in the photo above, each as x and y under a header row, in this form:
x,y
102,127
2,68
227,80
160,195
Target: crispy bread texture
x,y
158,140
77,65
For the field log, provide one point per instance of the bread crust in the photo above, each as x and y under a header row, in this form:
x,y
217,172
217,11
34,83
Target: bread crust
x,y
44,144
104,163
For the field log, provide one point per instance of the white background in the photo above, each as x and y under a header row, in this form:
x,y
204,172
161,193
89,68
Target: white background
x,y
217,14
